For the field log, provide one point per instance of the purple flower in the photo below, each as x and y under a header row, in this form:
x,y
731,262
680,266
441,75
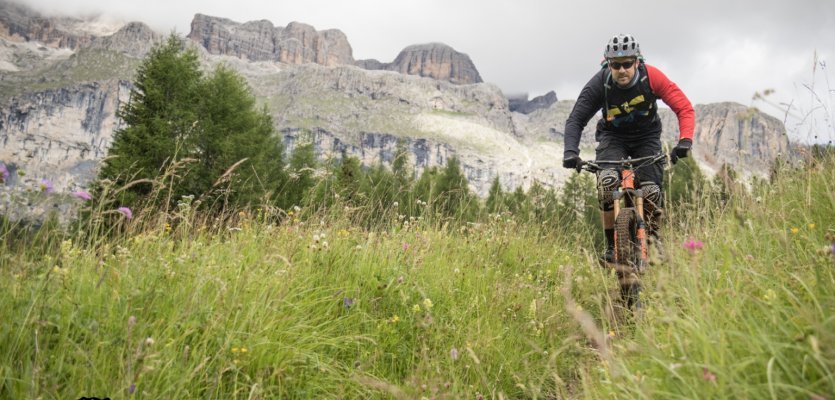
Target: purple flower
x,y
4,172
693,244
347,302
82,195
406,246
126,212
132,388
46,186
453,354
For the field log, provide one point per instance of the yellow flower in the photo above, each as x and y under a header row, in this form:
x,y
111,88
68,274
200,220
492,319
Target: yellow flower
x,y
395,319
237,361
811,226
795,230
244,350
611,334
427,303
234,349
416,308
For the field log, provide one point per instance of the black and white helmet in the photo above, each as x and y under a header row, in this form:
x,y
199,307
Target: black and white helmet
x,y
622,45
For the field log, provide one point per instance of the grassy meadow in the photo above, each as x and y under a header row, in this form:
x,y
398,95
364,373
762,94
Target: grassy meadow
x,y
303,304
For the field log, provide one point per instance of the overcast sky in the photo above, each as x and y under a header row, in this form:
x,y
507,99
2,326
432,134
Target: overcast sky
x,y
715,50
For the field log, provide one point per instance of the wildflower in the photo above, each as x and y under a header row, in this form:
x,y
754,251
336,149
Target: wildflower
x,y
4,172
82,195
395,319
132,388
405,246
46,186
395,204
235,349
126,212
296,208
400,279
131,321
794,231
708,376
611,334
244,350
427,303
693,245
416,308
236,361
453,354
347,302
811,226
149,341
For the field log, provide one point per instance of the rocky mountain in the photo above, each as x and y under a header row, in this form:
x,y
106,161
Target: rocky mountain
x,y
432,60
521,104
296,43
57,120
20,24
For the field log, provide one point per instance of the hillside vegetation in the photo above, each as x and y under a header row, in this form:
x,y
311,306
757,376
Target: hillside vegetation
x,y
316,304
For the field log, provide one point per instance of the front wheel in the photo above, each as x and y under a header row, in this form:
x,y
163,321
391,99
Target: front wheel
x,y
629,255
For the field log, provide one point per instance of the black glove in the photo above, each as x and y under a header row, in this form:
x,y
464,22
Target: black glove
x,y
682,150
572,162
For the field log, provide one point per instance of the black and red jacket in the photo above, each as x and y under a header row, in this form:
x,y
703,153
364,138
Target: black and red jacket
x,y
630,112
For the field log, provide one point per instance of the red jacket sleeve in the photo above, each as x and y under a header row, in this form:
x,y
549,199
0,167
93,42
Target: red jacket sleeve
x,y
672,96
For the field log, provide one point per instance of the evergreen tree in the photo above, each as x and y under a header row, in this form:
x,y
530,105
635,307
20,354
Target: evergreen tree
x,y
495,197
175,113
231,131
349,179
159,115
454,197
301,175
684,182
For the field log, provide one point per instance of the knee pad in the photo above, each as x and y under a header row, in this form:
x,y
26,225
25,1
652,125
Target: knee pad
x,y
607,184
653,197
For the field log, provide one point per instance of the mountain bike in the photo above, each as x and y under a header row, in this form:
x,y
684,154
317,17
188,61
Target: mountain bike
x,y
630,258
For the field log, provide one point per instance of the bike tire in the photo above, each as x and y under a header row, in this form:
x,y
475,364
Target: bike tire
x,y
628,258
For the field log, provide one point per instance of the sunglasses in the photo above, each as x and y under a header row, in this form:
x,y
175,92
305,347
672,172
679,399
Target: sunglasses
x,y
617,65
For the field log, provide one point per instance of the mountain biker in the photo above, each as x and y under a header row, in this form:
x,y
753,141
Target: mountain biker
x,y
625,90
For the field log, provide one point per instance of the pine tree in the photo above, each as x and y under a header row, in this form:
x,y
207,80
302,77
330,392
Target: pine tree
x,y
159,115
231,131
174,114
495,197
301,175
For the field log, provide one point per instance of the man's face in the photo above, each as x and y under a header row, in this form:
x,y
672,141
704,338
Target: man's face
x,y
620,73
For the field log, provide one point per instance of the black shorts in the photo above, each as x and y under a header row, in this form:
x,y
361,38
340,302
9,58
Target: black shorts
x,y
617,147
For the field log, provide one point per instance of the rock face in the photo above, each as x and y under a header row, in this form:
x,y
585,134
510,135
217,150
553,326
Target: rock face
x,y
135,39
731,133
438,61
61,134
521,104
296,43
21,24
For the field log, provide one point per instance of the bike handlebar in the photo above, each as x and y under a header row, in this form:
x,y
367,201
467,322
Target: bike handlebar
x,y
594,166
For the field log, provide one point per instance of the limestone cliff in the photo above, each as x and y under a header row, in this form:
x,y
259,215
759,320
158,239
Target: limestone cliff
x,y
296,43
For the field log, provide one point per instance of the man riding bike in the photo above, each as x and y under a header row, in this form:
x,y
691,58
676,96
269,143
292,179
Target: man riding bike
x,y
626,90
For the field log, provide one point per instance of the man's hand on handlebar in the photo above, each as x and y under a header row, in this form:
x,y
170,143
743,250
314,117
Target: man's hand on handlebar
x,y
572,162
682,150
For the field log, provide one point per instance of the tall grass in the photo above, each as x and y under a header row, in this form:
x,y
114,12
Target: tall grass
x,y
315,304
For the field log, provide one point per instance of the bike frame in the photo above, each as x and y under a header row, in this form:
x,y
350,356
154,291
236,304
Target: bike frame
x,y
627,168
